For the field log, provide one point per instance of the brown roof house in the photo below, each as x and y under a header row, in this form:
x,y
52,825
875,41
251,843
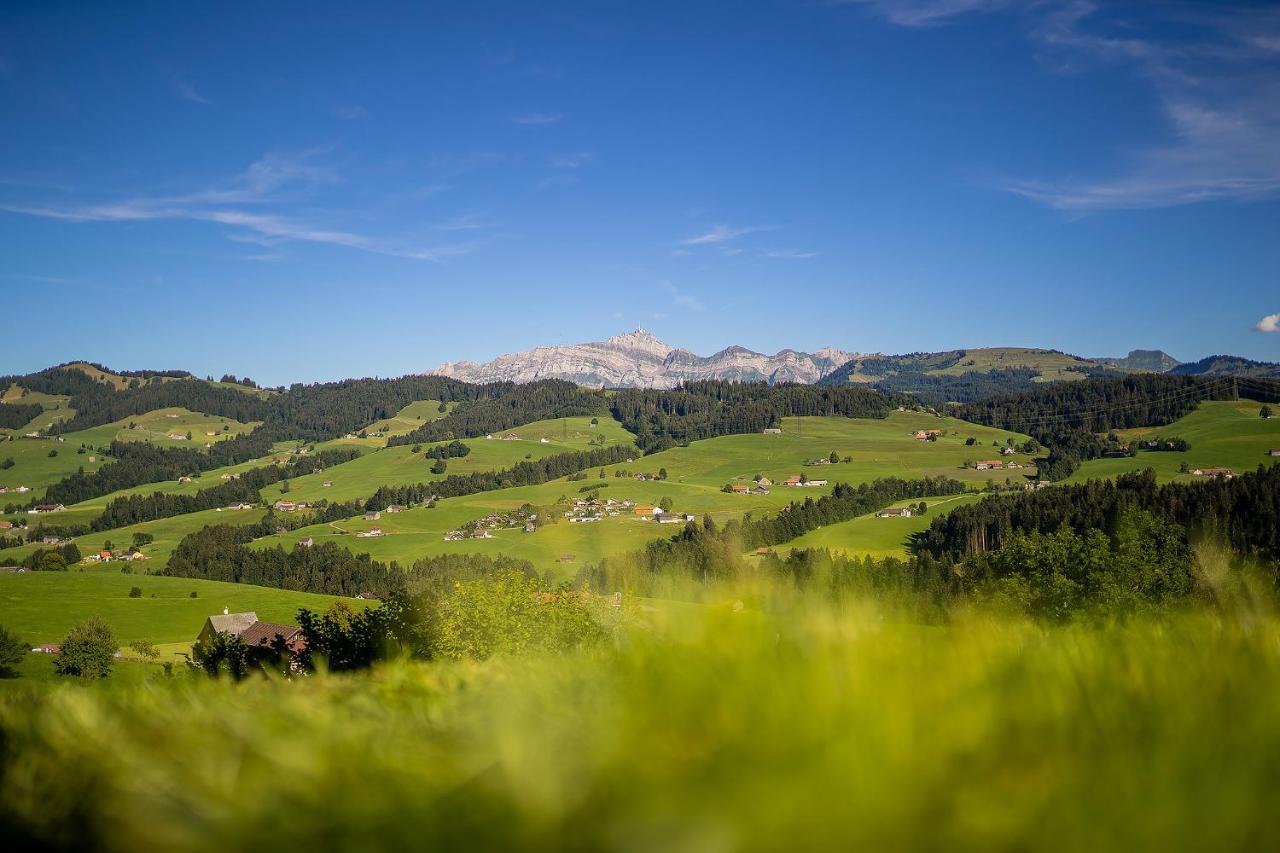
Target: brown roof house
x,y
263,638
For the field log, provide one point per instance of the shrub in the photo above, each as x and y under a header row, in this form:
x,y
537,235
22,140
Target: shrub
x,y
12,651
88,650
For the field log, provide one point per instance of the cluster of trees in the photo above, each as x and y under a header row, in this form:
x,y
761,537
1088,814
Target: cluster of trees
x,y
330,409
454,449
222,553
55,559
971,386
139,462
230,379
1068,416
696,410
133,509
14,415
844,502
509,406
529,472
1243,511
101,403
1102,405
1144,563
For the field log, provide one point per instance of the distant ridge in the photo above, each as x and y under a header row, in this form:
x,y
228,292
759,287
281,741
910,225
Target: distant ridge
x,y
640,360
1147,360
1229,365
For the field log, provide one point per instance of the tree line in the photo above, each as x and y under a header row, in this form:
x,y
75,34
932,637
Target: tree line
x,y
221,552
1243,511
134,509
697,410
516,405
14,415
529,472
137,463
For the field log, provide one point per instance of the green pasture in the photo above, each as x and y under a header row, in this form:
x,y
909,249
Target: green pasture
x,y
396,466
56,408
1222,434
168,532
40,607
696,475
743,725
878,537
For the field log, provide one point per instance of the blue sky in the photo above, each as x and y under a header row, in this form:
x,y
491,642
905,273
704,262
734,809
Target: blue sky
x,y
301,191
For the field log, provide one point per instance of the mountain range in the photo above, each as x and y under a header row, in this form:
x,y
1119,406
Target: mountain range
x,y
640,360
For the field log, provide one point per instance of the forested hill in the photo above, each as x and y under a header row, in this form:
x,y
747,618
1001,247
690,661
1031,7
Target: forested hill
x,y
1229,365
964,375
1243,511
509,406
699,410
1100,405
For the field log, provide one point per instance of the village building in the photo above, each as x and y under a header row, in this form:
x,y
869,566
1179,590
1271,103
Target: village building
x,y
6,525
741,489
11,570
989,465
306,543
48,649
372,515
371,533
792,481
92,558
396,508
895,512
1224,473
184,479
544,440
255,633
104,556
45,508
645,509
816,483
286,506
773,431
1006,451
327,483
1274,451
239,505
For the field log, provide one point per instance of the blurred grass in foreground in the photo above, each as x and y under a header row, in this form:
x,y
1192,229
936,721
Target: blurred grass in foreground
x,y
756,723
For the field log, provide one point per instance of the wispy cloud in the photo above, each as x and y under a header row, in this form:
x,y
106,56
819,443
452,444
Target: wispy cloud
x,y
788,254
681,299
536,118
1268,324
924,13
350,112
722,234
245,203
467,222
187,92
560,180
1213,71
571,161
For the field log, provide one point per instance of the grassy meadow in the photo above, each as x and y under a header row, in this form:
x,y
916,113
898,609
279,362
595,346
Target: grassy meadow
x,y
879,537
40,607
696,475
1225,434
750,722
